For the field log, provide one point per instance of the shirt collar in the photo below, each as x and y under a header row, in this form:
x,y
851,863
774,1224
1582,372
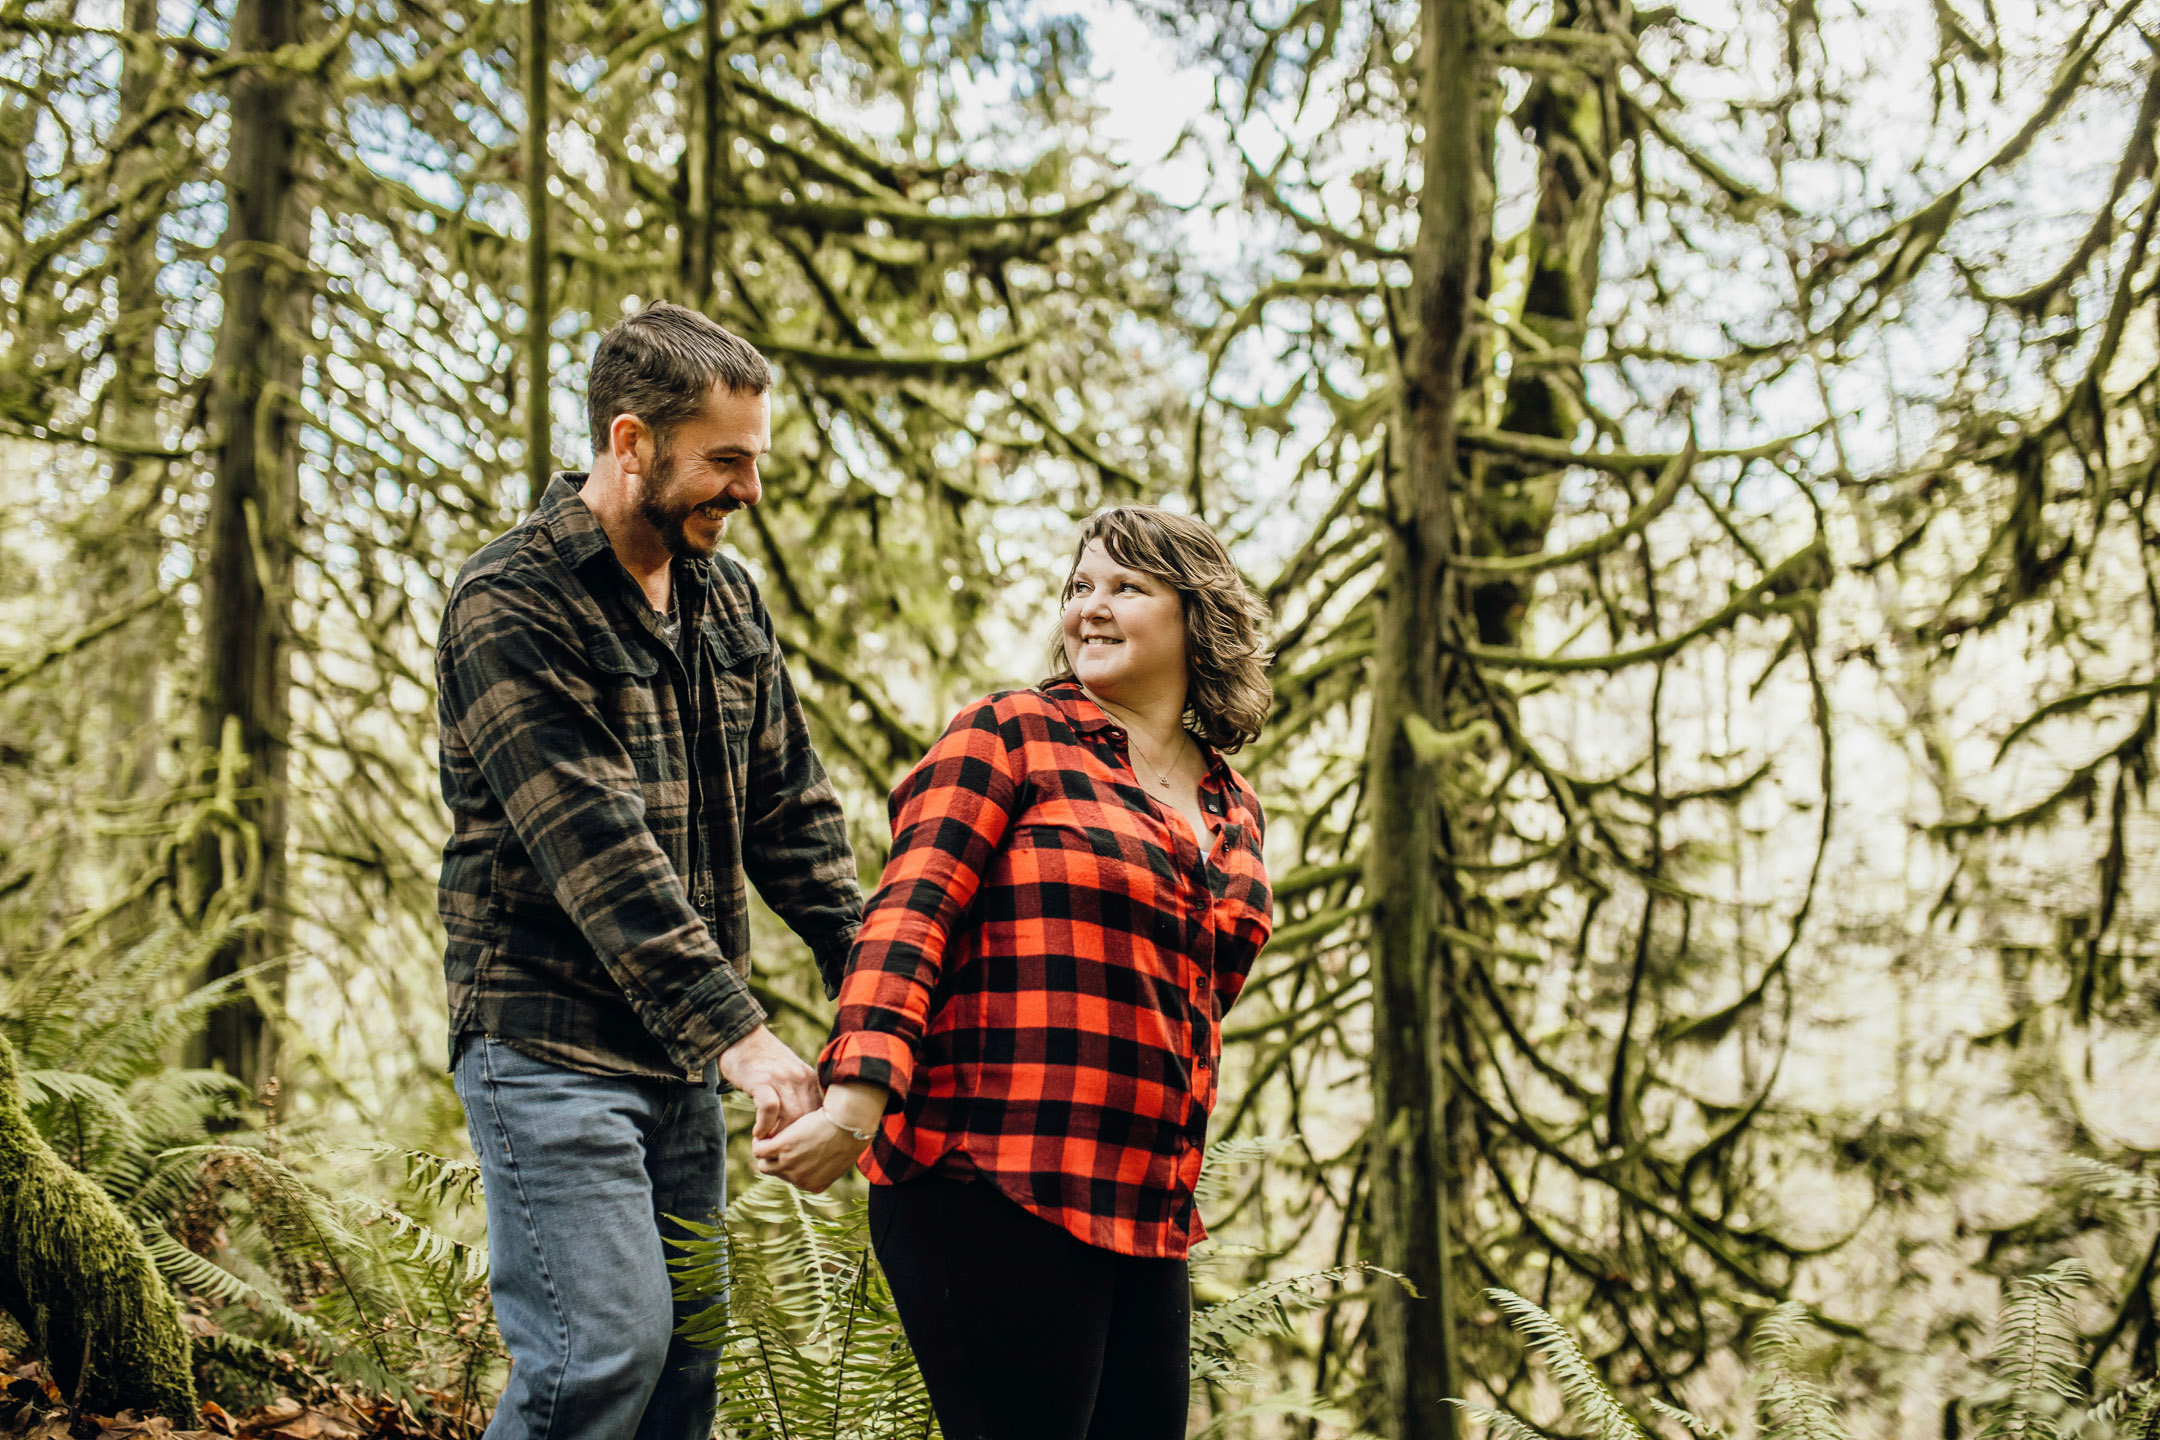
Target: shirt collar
x,y
580,541
1088,718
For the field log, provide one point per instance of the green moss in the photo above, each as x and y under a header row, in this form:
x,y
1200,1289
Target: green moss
x,y
74,1274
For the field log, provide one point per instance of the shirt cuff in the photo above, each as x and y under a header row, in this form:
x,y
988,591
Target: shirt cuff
x,y
717,1012
871,1056
832,960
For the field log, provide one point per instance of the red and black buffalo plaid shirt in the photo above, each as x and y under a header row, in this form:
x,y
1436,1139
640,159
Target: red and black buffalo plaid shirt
x,y
1041,977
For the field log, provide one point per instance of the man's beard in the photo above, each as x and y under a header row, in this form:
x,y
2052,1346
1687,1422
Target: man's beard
x,y
669,513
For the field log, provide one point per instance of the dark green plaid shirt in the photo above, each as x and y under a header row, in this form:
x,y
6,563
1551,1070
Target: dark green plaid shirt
x,y
611,795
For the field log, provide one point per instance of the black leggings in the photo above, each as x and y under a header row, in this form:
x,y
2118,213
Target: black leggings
x,y
1024,1332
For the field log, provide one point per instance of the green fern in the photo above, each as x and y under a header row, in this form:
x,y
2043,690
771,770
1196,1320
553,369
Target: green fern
x,y
1586,1395
442,1181
2038,1362
351,1275
810,1345
1218,1330
1790,1405
2036,1377
2132,1412
1499,1424
214,1283
2112,1182
1687,1420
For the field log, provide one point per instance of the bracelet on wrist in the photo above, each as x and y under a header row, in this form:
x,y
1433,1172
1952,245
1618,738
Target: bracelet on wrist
x,y
865,1136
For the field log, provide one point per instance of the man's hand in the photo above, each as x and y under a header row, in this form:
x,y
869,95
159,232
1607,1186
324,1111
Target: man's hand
x,y
816,1150
774,1077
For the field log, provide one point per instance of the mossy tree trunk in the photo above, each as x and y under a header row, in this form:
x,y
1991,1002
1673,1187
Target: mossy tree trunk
x,y
125,530
539,451
75,1276
248,550
1416,686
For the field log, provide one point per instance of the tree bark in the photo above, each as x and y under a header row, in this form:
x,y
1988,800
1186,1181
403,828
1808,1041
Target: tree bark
x,y
1563,117
712,156
248,552
1413,681
127,523
539,445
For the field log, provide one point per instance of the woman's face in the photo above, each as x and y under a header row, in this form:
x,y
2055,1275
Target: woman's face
x,y
1124,629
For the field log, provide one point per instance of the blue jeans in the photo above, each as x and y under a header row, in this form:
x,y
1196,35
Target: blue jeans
x,y
580,1173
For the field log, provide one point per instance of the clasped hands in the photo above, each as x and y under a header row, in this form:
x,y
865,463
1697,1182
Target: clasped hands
x,y
792,1136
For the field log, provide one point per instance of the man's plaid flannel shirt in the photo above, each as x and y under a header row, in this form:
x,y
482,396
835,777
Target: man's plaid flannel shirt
x,y
1042,973
611,794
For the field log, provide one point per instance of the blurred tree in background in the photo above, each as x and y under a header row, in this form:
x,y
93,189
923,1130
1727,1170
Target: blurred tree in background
x,y
1699,416
1700,460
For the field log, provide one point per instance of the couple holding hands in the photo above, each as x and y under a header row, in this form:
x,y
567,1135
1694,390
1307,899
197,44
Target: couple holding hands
x,y
1029,1007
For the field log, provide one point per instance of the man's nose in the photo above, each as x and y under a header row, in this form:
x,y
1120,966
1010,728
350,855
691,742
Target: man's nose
x,y
747,490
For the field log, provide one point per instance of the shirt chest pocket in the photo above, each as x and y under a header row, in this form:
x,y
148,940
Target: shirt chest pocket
x,y
629,697
732,659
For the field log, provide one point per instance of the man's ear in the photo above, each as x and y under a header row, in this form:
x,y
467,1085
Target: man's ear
x,y
630,443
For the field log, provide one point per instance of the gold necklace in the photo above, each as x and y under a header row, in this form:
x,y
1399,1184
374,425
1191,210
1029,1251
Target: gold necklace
x,y
1162,777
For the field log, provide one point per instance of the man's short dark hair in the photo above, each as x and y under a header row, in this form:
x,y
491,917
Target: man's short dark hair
x,y
660,364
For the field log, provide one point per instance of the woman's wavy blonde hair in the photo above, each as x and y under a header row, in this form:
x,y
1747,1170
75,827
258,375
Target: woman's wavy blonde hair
x,y
1227,695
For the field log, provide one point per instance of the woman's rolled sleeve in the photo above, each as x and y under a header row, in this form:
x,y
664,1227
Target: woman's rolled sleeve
x,y
949,817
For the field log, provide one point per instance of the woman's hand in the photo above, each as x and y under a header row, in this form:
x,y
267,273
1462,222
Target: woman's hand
x,y
818,1148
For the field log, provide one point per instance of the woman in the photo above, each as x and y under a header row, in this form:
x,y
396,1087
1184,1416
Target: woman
x,y
1034,1003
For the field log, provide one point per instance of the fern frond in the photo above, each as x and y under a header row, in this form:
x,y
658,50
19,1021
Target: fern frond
x,y
215,1283
1585,1393
1687,1419
1499,1424
2038,1359
1790,1405
2145,1419
132,1043
2105,1418
1265,1309
1290,1405
423,1243
94,1021
2112,1182
811,1345
440,1179
63,1100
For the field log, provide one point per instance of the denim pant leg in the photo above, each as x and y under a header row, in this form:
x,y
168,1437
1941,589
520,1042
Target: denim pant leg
x,y
578,1273
686,1159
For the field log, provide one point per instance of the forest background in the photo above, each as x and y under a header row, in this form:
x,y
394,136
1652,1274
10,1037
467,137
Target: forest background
x,y
1700,460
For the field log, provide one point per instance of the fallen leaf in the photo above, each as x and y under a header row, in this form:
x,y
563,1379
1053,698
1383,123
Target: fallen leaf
x,y
315,1425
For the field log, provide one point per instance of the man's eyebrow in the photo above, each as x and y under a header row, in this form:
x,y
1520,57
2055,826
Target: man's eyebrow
x,y
730,452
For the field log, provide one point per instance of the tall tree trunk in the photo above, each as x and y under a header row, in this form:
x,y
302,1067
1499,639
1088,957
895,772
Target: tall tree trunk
x,y
712,156
127,523
1563,115
1423,821
539,447
1414,689
248,557
137,482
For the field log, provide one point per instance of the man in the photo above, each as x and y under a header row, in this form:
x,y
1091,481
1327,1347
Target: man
x,y
621,748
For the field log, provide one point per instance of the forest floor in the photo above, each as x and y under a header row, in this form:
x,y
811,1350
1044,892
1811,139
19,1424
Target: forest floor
x,y
33,1408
